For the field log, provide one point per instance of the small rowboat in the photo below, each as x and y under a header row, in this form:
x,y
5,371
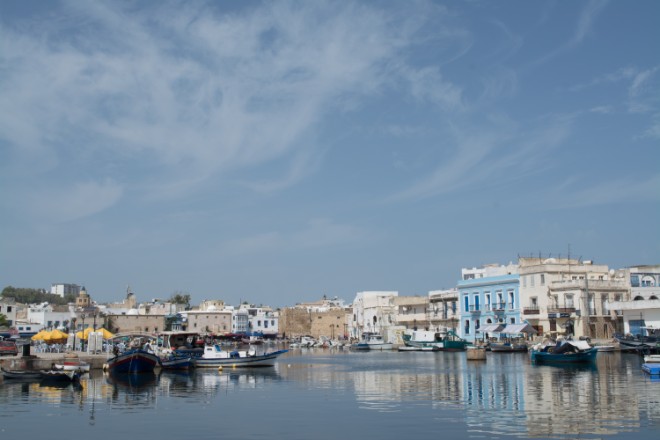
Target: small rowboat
x,y
26,375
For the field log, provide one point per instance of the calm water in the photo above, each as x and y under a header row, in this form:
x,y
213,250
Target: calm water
x,y
346,395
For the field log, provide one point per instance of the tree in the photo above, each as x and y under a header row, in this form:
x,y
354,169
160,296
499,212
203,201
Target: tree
x,y
180,298
3,321
25,295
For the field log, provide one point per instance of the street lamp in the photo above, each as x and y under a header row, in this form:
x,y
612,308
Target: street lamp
x,y
73,326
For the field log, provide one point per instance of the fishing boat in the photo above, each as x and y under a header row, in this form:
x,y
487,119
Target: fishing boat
x,y
652,359
215,356
176,362
72,363
139,358
563,352
421,340
372,341
25,375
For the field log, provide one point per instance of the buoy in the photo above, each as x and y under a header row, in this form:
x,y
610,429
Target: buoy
x,y
105,367
220,368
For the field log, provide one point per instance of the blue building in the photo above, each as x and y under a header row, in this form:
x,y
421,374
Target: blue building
x,y
486,303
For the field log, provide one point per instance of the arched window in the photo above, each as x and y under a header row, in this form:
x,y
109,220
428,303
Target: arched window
x,y
638,298
653,297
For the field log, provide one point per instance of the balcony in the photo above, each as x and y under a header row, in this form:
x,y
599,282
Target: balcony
x,y
561,309
531,310
498,307
474,309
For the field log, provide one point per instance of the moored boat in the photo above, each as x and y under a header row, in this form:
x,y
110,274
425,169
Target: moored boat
x,y
72,363
176,362
215,356
25,375
563,352
372,341
137,360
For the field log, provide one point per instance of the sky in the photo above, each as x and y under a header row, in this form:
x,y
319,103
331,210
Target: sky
x,y
275,152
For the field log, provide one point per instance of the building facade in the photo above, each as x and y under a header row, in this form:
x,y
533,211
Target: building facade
x,y
486,302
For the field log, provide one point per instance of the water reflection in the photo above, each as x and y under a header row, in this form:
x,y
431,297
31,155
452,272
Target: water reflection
x,y
384,392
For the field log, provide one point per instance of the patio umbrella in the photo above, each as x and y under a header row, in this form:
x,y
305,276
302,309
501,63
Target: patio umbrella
x,y
106,334
55,335
40,336
84,334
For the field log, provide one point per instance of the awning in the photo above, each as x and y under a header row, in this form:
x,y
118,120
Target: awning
x,y
514,329
491,328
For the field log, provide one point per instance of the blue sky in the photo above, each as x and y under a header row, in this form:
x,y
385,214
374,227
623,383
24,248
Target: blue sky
x,y
275,152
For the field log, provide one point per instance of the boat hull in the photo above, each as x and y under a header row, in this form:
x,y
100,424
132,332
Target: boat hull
x,y
181,363
583,357
260,360
133,361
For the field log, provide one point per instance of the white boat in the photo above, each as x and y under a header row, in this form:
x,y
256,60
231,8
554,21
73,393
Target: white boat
x,y
605,347
652,359
372,341
215,356
72,363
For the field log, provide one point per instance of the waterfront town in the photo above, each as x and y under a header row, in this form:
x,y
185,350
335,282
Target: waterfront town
x,y
553,296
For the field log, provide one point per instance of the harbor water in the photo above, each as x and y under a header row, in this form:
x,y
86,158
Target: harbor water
x,y
340,394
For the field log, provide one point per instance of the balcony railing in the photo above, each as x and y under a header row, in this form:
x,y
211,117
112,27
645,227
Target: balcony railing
x,y
561,309
474,309
531,310
498,306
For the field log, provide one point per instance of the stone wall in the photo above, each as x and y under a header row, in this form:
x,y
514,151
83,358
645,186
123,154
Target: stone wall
x,y
137,323
295,322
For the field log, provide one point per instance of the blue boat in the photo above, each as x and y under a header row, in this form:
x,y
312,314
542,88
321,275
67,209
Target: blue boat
x,y
177,362
564,352
133,361
652,369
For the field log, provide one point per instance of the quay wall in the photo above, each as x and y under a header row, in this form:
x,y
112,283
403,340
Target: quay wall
x,y
43,361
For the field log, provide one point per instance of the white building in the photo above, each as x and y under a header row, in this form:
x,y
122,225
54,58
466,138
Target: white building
x,y
641,314
62,289
443,309
373,312
51,317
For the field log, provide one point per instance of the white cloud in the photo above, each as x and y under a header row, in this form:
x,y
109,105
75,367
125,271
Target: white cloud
x,y
176,94
622,190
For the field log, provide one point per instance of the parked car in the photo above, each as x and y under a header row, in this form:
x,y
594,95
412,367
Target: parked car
x,y
8,348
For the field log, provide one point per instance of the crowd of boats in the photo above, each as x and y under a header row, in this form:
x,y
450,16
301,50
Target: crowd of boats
x,y
187,350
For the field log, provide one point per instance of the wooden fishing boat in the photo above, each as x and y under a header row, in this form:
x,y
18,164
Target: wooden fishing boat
x,y
25,375
135,360
564,352
215,356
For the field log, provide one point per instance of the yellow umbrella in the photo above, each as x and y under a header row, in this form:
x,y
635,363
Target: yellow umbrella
x,y
106,333
55,335
84,334
40,336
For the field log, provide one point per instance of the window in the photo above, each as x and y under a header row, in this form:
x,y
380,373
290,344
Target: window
x,y
8,309
543,279
477,324
512,303
534,302
467,326
569,300
531,280
512,320
476,302
467,303
524,281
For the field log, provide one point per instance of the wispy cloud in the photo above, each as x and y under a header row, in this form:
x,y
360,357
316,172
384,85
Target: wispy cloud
x,y
172,96
584,26
624,190
498,152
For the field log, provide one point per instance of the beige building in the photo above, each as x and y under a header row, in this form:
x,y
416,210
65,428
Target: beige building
x,y
569,296
444,312
412,312
136,323
209,321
